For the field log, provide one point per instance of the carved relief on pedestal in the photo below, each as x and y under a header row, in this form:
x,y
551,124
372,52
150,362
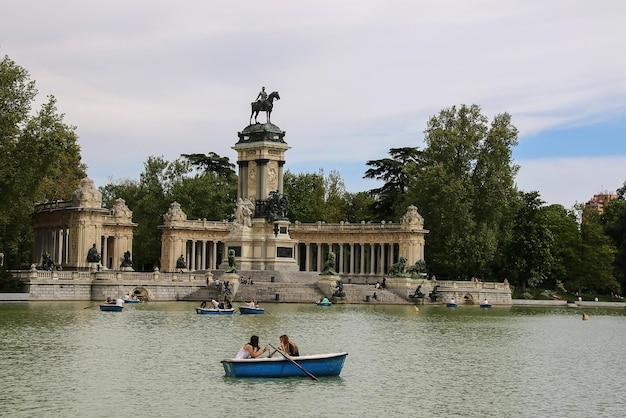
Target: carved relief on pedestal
x,y
272,177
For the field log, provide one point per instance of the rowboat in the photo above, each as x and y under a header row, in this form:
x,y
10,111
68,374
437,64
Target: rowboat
x,y
278,366
213,311
248,310
451,304
111,307
485,305
328,303
131,301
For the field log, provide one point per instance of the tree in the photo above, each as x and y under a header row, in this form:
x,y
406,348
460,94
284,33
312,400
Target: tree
x,y
463,185
596,255
394,172
40,159
208,194
614,222
530,250
565,229
306,193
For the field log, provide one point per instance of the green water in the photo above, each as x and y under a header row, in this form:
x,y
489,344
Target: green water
x,y
163,360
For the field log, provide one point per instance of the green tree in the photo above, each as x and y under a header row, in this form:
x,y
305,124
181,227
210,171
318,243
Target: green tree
x,y
565,229
614,222
596,255
206,194
305,192
530,249
463,185
40,159
395,171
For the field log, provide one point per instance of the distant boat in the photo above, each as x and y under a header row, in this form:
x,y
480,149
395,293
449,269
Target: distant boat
x,y
132,300
248,310
451,304
324,302
485,304
111,307
214,311
317,365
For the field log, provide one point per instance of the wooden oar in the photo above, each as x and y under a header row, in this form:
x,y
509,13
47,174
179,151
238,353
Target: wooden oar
x,y
296,364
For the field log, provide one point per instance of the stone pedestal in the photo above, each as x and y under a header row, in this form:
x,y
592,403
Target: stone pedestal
x,y
328,284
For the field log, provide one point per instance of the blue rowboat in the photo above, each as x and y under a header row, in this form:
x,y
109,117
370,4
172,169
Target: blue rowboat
x,y
278,366
451,304
485,305
131,301
246,310
213,311
323,303
110,307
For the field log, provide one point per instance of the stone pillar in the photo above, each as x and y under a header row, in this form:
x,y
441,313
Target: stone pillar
x,y
194,254
281,163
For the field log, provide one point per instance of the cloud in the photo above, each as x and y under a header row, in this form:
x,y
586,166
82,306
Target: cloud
x,y
356,78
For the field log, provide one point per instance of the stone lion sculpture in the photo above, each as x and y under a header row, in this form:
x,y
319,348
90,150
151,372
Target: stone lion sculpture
x,y
398,268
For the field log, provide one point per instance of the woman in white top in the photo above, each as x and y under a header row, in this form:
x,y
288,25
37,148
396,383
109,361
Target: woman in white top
x,y
251,350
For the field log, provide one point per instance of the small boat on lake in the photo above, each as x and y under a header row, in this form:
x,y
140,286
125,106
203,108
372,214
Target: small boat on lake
x,y
324,302
111,307
485,304
316,364
131,300
451,304
214,311
249,310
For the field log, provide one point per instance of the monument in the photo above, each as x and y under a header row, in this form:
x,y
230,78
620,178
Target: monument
x,y
259,236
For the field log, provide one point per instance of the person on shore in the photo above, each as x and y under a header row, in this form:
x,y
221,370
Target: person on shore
x,y
251,349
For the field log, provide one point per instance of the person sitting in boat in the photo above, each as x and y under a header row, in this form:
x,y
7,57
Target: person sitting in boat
x,y
325,300
216,304
220,305
485,302
109,301
203,304
251,349
452,300
288,347
228,304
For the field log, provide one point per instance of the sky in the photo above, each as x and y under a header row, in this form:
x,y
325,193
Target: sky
x,y
141,78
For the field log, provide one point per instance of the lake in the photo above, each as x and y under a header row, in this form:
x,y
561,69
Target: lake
x,y
161,359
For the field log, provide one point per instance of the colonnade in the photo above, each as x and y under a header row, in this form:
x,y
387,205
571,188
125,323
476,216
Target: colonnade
x,y
352,258
55,242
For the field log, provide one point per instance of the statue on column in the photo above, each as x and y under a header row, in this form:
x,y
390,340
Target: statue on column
x,y
180,263
263,103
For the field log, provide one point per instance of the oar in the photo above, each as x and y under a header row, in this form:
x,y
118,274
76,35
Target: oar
x,y
296,364
87,307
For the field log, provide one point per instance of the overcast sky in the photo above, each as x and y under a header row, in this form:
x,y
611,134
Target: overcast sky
x,y
356,78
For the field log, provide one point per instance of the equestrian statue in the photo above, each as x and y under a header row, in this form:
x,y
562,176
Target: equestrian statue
x,y
264,103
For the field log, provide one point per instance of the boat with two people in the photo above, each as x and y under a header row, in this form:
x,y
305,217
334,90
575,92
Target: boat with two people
x,y
251,308
319,365
112,305
217,308
131,299
324,302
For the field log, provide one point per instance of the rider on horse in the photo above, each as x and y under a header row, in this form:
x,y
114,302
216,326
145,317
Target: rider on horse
x,y
262,95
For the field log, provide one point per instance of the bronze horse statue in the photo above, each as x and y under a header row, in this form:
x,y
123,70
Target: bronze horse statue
x,y
264,106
